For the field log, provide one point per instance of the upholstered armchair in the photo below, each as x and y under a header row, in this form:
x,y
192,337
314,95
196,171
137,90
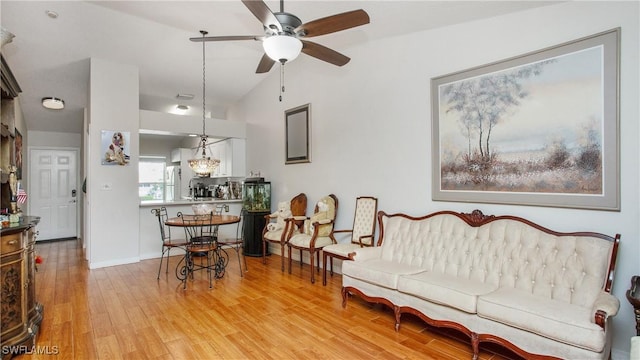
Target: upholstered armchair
x,y
281,223
362,232
316,232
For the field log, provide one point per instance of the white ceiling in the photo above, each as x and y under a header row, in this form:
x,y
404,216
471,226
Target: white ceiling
x,y
49,57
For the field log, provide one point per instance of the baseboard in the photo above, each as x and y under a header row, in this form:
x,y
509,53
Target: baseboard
x,y
101,264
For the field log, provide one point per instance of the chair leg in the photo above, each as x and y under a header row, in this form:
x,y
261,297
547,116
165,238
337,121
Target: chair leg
x,y
289,247
282,258
331,265
324,268
301,262
161,257
166,270
264,251
239,262
244,258
313,280
209,256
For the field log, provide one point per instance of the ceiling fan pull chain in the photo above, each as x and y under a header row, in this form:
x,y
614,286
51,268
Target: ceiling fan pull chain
x,y
281,80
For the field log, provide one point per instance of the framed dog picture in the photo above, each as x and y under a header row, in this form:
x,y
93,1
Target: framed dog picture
x,y
114,145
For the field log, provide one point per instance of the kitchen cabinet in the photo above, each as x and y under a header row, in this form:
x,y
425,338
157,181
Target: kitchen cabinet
x,y
21,312
232,155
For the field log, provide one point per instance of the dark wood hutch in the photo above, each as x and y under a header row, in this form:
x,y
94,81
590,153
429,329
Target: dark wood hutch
x,y
20,312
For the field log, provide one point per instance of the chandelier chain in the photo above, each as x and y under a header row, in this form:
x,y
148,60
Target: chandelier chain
x,y
204,33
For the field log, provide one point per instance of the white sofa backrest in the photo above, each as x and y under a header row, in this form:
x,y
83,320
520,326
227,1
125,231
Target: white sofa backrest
x,y
503,251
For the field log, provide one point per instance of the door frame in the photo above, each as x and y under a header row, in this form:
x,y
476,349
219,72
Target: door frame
x,y
80,195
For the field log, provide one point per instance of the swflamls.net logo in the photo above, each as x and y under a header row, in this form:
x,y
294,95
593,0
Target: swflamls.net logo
x,y
30,350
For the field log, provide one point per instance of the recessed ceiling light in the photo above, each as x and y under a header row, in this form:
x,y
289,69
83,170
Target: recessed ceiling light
x,y
182,107
53,103
51,14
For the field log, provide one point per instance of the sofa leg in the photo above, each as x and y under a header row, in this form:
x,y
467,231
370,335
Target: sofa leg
x,y
397,315
345,296
475,345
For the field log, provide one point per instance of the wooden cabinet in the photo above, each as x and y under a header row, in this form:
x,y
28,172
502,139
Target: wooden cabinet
x,y
21,313
9,107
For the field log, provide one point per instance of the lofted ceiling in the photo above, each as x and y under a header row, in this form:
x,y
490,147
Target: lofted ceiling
x,y
50,56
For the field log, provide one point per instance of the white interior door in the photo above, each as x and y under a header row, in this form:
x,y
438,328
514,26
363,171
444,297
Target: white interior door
x,y
53,191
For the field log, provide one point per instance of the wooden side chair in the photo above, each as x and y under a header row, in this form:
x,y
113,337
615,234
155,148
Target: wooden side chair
x,y
362,233
317,232
165,237
298,207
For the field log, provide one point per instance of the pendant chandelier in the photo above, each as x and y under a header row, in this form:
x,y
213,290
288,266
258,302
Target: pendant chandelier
x,y
204,165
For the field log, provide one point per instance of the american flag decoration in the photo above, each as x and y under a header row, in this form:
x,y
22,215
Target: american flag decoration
x,y
21,196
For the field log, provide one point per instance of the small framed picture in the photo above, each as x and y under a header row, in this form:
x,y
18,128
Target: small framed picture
x,y
298,134
114,145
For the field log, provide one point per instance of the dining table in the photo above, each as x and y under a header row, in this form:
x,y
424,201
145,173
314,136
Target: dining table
x,y
221,258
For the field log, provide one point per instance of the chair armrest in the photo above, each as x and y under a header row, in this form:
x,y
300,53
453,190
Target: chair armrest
x,y
322,222
606,305
366,253
365,237
343,231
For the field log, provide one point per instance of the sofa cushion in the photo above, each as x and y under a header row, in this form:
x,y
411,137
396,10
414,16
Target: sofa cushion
x,y
377,271
445,289
554,319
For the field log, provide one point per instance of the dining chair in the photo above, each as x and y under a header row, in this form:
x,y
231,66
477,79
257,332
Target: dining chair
x,y
317,232
201,234
362,233
237,243
165,237
298,207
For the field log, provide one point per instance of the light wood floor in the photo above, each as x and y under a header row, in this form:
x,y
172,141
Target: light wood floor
x,y
123,312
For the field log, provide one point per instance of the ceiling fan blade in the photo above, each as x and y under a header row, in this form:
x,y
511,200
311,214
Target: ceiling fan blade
x,y
324,53
331,24
227,38
261,11
266,63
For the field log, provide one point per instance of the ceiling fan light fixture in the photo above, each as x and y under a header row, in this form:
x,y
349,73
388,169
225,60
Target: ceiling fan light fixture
x,y
53,103
282,48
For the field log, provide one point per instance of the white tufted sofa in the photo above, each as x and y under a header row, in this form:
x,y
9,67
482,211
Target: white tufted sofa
x,y
498,279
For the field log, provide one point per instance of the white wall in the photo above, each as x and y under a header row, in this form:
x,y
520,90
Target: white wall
x,y
55,139
371,123
114,213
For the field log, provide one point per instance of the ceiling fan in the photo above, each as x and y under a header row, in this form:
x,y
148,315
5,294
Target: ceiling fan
x,y
284,34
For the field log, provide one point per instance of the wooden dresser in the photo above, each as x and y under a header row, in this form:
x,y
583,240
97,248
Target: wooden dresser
x,y
20,312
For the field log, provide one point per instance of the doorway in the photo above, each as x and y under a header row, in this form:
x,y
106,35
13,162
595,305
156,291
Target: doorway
x,y
53,191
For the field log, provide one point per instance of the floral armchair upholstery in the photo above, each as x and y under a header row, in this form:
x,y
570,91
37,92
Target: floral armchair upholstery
x,y
316,232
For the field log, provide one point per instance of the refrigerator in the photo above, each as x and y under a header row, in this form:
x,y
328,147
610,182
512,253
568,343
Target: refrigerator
x,y
172,183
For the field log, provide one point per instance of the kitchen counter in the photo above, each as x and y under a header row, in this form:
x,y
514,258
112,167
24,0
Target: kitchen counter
x,y
151,203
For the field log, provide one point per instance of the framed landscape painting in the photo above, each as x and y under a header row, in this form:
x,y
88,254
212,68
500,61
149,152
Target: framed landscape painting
x,y
538,129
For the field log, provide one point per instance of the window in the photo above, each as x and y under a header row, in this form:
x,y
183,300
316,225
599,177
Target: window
x,y
151,178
